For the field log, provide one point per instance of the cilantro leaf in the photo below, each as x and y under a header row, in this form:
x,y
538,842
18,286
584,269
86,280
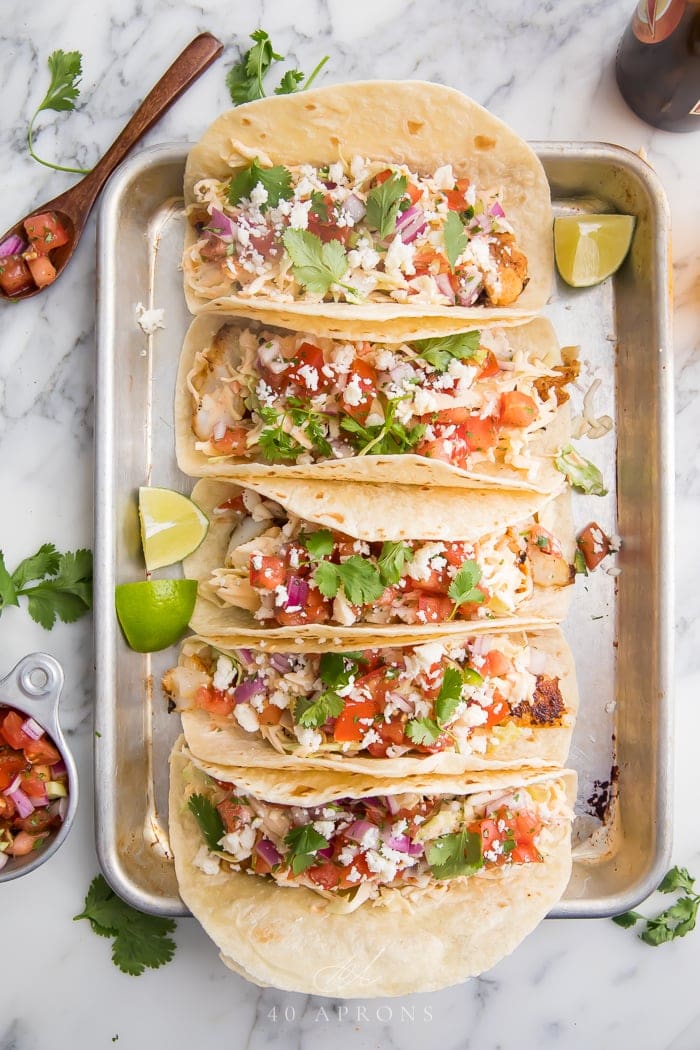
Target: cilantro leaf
x,y
327,579
66,595
313,423
318,544
276,180
66,70
423,731
209,819
455,238
440,351
336,669
453,855
392,559
140,941
360,579
316,265
44,563
677,920
389,438
314,713
450,695
580,472
8,592
275,443
383,204
290,82
244,78
627,919
463,588
319,208
304,842
677,879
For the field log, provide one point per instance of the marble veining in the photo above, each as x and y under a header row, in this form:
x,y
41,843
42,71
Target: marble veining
x,y
547,69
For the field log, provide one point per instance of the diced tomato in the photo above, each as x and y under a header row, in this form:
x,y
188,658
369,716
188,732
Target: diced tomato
x,y
37,821
433,608
375,683
270,715
457,553
516,409
10,765
427,259
543,540
42,270
468,610
306,369
267,571
593,544
360,865
12,732
46,232
526,826
455,200
348,725
234,503
488,833
383,176
413,193
42,750
495,664
233,442
452,449
392,733
213,248
460,414
430,680
326,874
233,814
362,374
216,701
437,582
7,807
316,610
480,434
497,712
15,275
265,244
490,366
34,782
525,853
328,229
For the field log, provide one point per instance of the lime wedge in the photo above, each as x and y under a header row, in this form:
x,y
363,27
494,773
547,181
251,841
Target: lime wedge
x,y
154,613
589,248
172,526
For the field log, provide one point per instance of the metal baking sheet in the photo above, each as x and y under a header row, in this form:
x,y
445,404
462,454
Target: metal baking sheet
x,y
620,627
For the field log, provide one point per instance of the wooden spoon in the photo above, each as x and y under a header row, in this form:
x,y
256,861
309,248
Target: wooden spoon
x,y
73,207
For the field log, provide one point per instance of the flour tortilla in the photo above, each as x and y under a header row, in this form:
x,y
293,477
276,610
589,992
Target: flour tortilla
x,y
410,122
222,741
400,944
354,509
412,469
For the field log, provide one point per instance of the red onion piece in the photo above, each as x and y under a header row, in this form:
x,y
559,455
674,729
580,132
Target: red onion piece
x,y
403,844
327,852
481,645
40,802
59,769
22,802
444,286
469,295
12,246
246,656
497,211
251,687
32,729
403,704
297,593
281,662
411,223
268,851
358,829
13,786
220,224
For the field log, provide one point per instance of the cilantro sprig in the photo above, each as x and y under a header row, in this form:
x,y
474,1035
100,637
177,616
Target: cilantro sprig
x,y
675,921
61,585
209,819
66,70
304,843
392,560
312,713
277,180
319,544
463,589
138,941
450,695
336,669
383,204
455,238
316,265
360,580
388,438
423,731
453,855
440,351
245,78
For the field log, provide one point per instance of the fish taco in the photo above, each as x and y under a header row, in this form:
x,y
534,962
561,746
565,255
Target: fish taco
x,y
482,407
446,706
385,206
271,568
354,886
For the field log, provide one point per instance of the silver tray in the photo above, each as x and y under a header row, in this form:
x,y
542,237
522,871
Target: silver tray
x,y
620,627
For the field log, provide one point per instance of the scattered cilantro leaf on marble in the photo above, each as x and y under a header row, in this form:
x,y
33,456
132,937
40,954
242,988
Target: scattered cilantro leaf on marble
x,y
675,921
66,70
245,77
61,585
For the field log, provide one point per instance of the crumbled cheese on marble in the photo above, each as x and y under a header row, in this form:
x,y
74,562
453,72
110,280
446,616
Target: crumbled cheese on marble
x,y
149,321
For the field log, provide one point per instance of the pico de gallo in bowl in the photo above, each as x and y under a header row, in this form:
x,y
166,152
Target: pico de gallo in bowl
x,y
34,791
32,259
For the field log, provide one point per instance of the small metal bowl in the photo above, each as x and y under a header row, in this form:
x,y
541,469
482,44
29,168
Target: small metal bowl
x,y
33,688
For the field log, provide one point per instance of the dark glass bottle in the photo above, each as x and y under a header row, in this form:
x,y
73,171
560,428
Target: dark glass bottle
x,y
658,64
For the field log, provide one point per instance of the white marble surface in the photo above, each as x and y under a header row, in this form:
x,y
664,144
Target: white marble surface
x,y
547,70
